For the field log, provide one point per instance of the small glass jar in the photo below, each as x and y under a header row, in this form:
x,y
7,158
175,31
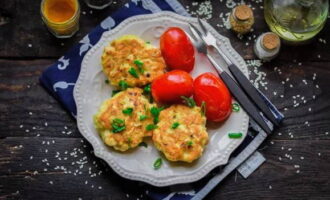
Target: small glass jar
x,y
98,4
267,46
241,19
61,17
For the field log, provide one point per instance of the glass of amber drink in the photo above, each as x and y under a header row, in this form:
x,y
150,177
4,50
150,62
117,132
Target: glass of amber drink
x,y
61,17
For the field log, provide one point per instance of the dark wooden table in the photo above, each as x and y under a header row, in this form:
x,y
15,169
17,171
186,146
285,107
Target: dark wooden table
x,y
39,141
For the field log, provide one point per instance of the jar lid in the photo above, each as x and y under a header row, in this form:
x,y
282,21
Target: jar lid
x,y
270,41
243,12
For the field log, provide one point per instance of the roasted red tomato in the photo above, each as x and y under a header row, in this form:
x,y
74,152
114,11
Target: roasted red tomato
x,y
210,89
177,49
169,87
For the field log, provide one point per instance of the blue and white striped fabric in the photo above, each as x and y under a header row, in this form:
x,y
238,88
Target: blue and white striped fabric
x,y
59,79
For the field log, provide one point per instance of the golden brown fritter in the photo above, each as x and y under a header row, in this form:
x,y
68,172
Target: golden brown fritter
x,y
181,134
131,59
122,119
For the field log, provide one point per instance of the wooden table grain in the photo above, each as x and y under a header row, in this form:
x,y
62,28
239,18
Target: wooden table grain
x,y
39,140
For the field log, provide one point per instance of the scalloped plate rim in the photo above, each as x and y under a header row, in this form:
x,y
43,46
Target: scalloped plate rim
x,y
153,180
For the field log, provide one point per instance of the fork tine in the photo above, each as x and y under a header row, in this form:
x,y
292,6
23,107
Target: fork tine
x,y
202,26
191,37
196,33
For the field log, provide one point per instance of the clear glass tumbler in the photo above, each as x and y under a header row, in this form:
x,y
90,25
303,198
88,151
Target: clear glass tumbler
x,y
98,4
61,17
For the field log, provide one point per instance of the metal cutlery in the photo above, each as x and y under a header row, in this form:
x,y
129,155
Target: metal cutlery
x,y
242,90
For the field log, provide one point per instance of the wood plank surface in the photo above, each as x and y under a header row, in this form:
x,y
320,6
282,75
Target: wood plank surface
x,y
16,37
43,155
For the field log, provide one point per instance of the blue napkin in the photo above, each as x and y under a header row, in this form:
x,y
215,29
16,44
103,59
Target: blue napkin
x,y
59,79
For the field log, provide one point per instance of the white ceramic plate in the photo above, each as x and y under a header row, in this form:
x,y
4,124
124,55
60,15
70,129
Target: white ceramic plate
x,y
90,91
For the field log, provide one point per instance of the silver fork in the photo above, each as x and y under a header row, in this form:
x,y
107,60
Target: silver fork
x,y
202,48
212,41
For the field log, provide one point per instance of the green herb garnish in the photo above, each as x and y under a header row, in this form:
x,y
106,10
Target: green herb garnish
x,y
107,81
235,135
189,101
190,143
147,89
147,42
235,107
114,92
143,144
118,125
175,125
128,111
203,108
123,85
158,163
155,113
133,72
151,127
139,64
143,117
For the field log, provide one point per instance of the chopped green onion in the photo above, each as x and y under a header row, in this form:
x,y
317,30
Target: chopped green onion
x,y
114,92
119,121
118,125
189,101
133,72
139,64
107,81
235,135
143,144
128,111
235,107
155,113
203,108
123,85
147,42
151,127
158,163
190,143
143,117
147,89
175,125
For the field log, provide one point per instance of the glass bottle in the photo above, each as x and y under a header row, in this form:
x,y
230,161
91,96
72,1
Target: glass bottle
x,y
241,19
296,21
267,46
